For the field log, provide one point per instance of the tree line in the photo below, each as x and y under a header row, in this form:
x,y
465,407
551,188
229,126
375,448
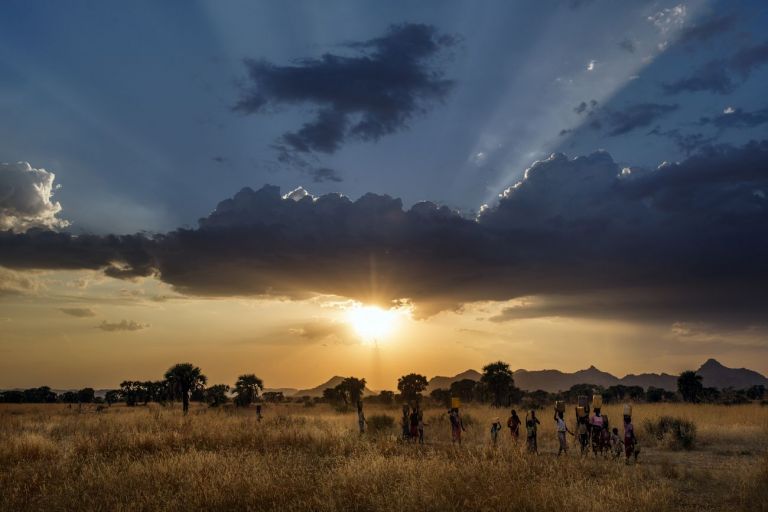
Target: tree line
x,y
185,382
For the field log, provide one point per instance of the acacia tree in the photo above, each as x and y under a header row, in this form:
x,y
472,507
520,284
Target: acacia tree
x,y
247,389
351,389
501,384
690,386
183,378
410,386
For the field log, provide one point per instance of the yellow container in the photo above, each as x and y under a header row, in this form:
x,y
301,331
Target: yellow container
x,y
580,412
559,406
627,409
597,401
455,402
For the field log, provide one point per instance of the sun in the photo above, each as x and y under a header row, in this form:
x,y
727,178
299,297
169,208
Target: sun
x,y
371,323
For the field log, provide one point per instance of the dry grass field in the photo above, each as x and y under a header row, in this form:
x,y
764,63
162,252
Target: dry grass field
x,y
152,458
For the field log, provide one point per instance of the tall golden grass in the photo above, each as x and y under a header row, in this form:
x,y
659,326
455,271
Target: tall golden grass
x,y
152,458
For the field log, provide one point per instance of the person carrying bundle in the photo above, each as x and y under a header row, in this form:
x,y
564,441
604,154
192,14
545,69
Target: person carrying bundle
x,y
495,429
531,431
513,423
630,441
457,426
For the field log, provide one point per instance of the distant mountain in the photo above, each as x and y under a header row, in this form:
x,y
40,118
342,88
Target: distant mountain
x,y
716,375
332,383
441,382
646,380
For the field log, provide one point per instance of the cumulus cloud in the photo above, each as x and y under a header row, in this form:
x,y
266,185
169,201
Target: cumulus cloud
x,y
25,198
123,325
722,76
372,93
692,232
78,312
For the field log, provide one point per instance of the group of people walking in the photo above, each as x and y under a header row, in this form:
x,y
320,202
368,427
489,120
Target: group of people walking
x,y
591,430
594,431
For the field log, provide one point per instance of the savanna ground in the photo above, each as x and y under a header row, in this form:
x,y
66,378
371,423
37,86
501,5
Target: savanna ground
x,y
311,458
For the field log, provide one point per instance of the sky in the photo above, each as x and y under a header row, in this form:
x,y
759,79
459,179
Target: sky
x,y
310,189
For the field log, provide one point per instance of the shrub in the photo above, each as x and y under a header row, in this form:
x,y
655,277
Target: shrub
x,y
675,432
380,423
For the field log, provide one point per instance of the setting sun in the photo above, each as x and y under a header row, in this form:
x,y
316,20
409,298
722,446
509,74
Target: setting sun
x,y
372,323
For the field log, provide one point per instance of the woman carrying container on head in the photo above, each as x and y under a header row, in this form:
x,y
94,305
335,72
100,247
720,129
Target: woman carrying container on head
x,y
630,441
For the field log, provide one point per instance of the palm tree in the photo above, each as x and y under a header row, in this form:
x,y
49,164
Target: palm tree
x,y
184,378
247,388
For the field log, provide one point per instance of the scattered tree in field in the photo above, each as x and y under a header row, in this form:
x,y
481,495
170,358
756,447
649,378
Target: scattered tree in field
x,y
216,395
411,386
86,395
464,390
112,396
501,384
351,389
333,395
273,396
386,397
69,397
441,396
247,389
756,392
690,387
182,379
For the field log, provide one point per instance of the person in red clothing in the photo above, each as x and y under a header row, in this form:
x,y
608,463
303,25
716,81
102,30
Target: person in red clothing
x,y
630,441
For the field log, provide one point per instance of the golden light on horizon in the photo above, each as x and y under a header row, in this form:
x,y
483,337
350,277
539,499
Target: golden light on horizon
x,y
372,323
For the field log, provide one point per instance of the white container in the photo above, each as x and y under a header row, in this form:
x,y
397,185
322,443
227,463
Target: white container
x,y
627,409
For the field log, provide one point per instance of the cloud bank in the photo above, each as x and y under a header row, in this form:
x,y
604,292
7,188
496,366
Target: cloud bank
x,y
678,242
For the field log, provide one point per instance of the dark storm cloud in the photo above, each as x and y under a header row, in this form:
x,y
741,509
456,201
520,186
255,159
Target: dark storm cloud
x,y
322,174
688,143
724,75
375,92
737,118
680,242
621,121
635,116
707,29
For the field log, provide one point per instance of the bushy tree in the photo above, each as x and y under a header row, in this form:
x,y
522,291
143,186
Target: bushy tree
x,y
112,396
690,387
351,390
411,386
216,395
756,392
273,396
86,395
501,384
441,396
247,389
182,379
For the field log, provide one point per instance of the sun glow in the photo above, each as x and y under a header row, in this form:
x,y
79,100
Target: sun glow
x,y
371,323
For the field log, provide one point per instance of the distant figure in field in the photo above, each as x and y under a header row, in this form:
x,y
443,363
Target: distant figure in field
x,y
457,426
414,424
513,423
562,429
532,431
258,412
361,417
616,443
597,426
495,429
583,432
421,426
405,423
630,441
